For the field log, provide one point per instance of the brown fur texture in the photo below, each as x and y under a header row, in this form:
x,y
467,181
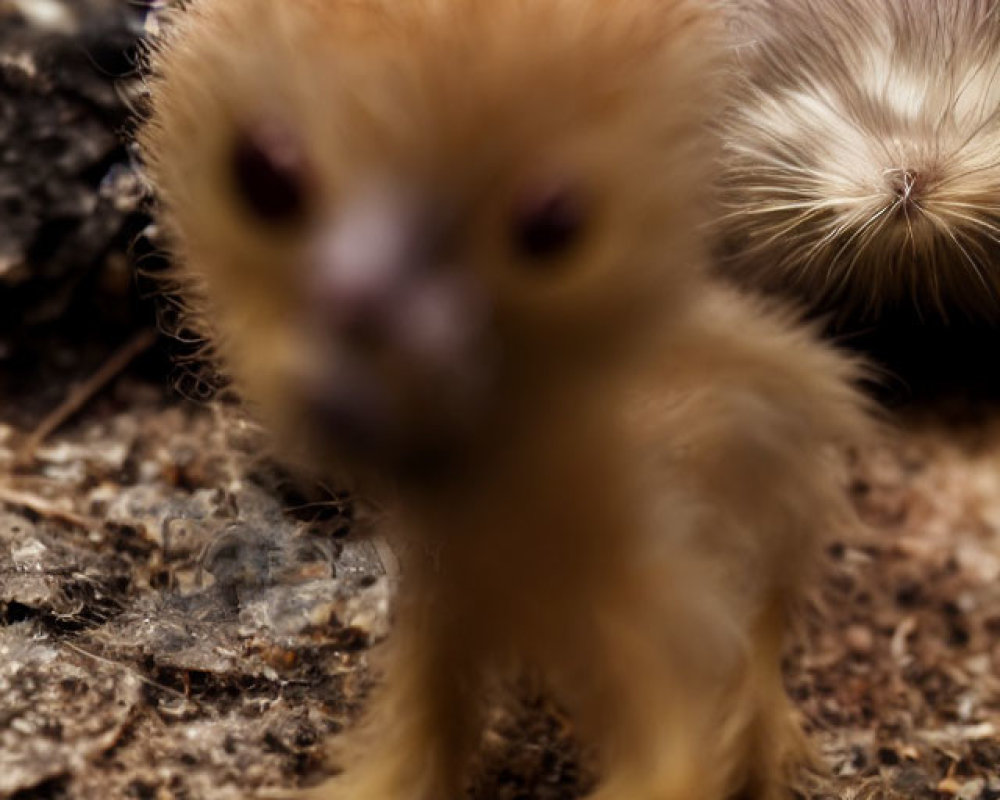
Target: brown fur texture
x,y
634,506
862,154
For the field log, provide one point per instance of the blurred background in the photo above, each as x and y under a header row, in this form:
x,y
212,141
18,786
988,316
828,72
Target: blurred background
x,y
73,210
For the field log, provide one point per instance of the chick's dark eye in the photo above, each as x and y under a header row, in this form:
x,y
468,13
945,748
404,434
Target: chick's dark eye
x,y
269,173
547,222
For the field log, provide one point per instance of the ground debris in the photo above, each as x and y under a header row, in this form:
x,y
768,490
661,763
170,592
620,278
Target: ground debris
x,y
219,618
71,201
209,637
898,678
60,708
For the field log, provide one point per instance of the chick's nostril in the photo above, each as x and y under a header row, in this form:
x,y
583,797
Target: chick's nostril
x,y
360,264
352,302
380,282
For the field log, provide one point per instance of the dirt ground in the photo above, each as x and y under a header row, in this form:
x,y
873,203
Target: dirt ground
x,y
181,619
177,620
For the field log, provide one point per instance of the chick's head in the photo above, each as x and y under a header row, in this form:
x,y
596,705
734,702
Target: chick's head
x,y
399,220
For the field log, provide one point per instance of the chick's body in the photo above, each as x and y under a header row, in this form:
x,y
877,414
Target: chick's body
x,y
450,247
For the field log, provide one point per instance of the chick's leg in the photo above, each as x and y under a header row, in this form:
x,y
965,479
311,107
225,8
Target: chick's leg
x,y
772,741
678,685
684,695
417,737
756,438
644,684
767,501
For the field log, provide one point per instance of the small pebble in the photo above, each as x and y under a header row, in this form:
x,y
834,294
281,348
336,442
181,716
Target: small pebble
x,y
859,639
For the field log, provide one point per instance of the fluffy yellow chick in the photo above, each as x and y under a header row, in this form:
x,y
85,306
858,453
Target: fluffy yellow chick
x,y
451,249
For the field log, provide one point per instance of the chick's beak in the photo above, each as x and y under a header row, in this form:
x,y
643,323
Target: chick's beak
x,y
378,280
402,329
